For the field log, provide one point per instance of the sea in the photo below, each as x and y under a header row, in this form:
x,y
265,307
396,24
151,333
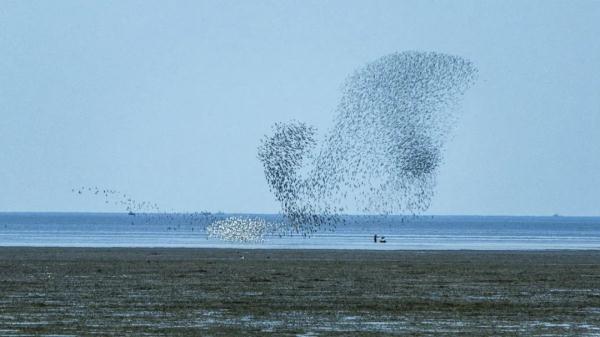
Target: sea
x,y
393,232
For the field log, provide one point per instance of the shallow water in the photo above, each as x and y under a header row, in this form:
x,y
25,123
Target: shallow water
x,y
184,230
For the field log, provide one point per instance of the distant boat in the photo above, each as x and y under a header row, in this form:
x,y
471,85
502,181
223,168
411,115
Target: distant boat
x,y
556,215
131,213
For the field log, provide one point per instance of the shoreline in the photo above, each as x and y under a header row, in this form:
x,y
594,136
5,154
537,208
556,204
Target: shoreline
x,y
279,248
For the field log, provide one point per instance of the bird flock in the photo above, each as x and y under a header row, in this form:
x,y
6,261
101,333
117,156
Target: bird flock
x,y
382,153
380,156
216,225
117,198
148,213
239,229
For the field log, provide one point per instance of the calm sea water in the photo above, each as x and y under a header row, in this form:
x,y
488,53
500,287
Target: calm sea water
x,y
181,230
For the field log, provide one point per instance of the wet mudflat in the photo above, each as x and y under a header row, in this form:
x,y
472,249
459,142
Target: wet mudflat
x,y
223,292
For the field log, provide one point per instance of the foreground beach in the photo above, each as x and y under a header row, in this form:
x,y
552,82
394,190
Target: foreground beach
x,y
224,292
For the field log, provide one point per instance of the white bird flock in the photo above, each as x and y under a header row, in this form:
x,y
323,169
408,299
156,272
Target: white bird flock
x,y
239,229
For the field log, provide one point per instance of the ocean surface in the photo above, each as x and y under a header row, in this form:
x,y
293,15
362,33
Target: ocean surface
x,y
413,233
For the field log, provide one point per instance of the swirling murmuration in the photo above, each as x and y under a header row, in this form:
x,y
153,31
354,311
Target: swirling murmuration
x,y
382,154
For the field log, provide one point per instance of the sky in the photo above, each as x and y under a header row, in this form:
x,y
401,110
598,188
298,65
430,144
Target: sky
x,y
168,101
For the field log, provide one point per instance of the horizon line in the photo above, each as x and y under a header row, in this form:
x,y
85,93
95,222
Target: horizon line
x,y
558,215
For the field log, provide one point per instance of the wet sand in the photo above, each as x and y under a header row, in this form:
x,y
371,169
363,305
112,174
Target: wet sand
x,y
223,292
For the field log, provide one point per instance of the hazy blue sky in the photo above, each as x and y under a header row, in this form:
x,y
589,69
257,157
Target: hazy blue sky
x,y
168,100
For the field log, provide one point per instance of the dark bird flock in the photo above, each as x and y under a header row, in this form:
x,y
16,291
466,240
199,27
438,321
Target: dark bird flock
x,y
380,157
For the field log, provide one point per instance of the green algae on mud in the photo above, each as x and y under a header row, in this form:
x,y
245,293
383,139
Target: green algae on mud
x,y
225,292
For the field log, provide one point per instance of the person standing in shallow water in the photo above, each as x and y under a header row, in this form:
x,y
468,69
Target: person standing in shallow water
x,y
375,238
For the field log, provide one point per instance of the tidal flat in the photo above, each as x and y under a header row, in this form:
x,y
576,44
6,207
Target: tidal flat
x,y
232,292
